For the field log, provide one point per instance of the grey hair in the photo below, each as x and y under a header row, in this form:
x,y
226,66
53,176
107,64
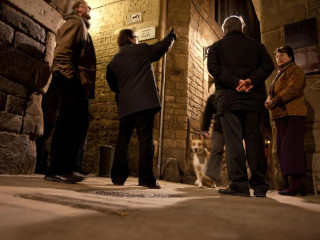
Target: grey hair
x,y
232,23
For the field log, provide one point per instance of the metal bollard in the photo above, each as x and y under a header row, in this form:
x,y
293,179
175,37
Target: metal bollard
x,y
106,160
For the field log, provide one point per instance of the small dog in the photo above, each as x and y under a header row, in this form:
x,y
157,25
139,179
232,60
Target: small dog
x,y
199,160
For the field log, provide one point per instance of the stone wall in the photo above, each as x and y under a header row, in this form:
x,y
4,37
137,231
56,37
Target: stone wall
x,y
273,15
26,48
187,79
27,39
108,18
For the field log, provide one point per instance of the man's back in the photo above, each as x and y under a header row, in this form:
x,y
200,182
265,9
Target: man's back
x,y
130,74
133,69
136,84
237,57
241,55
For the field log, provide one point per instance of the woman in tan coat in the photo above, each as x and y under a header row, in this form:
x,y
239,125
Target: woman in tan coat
x,y
288,108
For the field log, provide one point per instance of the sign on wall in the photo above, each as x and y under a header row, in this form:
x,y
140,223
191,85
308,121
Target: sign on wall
x,y
135,18
146,33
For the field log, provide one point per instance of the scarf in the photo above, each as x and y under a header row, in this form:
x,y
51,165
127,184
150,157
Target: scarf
x,y
281,70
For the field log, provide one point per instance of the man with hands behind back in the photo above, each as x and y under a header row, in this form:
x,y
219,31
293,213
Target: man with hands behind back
x,y
240,66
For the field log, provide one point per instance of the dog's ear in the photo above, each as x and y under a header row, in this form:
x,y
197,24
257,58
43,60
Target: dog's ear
x,y
191,139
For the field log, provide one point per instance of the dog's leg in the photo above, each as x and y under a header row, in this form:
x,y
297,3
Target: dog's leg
x,y
199,180
214,185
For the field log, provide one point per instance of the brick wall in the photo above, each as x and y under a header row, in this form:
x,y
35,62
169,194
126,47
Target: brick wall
x,y
108,18
187,79
186,86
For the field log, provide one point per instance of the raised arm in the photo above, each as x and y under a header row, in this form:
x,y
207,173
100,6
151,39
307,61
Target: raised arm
x,y
157,50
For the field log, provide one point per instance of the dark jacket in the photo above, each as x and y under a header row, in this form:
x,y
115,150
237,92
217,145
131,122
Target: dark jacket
x,y
74,55
130,75
210,109
237,57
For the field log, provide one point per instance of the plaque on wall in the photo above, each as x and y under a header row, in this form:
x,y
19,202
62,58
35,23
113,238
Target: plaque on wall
x,y
146,33
303,38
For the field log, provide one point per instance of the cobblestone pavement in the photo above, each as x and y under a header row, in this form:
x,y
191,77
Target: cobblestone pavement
x,y
32,208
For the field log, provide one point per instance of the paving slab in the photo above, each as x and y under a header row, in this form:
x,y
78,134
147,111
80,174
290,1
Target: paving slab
x,y
31,208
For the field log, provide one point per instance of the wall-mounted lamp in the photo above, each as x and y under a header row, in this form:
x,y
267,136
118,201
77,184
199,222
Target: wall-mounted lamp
x,y
205,52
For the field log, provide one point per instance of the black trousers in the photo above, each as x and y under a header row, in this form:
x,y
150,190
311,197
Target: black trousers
x,y
71,127
42,153
143,122
238,126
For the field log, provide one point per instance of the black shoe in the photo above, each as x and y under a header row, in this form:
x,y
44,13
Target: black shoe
x,y
118,181
152,185
64,178
228,191
301,190
81,172
259,194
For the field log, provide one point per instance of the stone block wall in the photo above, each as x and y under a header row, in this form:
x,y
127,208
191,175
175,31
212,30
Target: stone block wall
x,y
186,86
187,79
204,31
108,18
176,90
26,48
273,15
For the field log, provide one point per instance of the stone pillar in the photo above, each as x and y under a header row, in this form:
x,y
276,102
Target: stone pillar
x,y
26,48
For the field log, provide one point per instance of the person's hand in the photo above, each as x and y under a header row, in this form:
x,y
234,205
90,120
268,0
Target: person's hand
x,y
204,135
241,86
244,85
248,85
269,104
172,34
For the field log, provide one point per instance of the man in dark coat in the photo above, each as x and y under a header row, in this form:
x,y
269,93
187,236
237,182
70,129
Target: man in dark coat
x,y
130,75
74,69
240,66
